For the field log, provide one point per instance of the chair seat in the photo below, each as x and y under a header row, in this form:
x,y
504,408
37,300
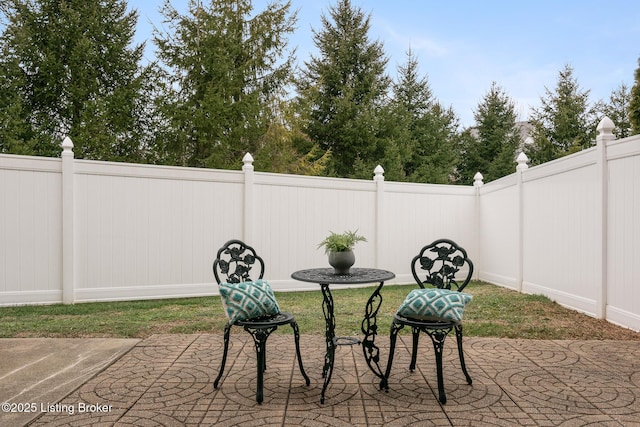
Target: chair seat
x,y
421,323
267,321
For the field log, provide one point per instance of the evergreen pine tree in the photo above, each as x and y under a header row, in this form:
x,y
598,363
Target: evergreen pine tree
x,y
564,124
344,89
16,136
491,149
226,69
69,71
634,103
426,131
617,109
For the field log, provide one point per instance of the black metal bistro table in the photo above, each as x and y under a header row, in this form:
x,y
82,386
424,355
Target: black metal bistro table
x,y
326,277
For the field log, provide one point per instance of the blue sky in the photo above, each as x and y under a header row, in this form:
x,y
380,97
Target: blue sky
x,y
463,46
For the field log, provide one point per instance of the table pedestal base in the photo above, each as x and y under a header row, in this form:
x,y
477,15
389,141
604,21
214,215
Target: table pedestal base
x,y
326,276
369,329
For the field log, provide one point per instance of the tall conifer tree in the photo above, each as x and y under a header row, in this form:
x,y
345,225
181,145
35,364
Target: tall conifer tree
x,y
617,109
226,68
425,131
344,89
564,124
492,147
634,103
68,69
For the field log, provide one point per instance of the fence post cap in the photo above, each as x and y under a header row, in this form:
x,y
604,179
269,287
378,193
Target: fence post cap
x,y
248,158
248,162
378,173
522,161
67,144
606,125
477,180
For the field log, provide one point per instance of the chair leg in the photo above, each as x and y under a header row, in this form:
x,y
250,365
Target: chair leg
x,y
260,350
260,340
227,332
461,353
260,336
296,334
393,336
438,338
414,352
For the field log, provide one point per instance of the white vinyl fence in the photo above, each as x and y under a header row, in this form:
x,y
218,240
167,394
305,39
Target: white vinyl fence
x,y
569,229
77,230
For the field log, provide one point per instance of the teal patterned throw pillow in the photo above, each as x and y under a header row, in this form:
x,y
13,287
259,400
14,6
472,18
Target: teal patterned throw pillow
x,y
248,300
434,304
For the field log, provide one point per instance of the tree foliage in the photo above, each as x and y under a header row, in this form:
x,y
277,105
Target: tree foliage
x,y
564,124
491,148
634,103
226,68
285,148
221,89
343,91
67,69
425,132
617,109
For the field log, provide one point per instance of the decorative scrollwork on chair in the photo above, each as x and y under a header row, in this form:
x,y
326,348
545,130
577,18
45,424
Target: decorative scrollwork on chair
x,y
438,265
236,263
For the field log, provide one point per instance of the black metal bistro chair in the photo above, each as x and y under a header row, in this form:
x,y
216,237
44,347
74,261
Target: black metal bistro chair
x,y
250,304
436,309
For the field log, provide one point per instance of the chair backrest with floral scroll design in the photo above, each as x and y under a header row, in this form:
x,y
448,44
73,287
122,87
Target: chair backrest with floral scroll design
x,y
442,264
237,262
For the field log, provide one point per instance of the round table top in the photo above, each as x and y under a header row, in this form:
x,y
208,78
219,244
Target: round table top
x,y
355,276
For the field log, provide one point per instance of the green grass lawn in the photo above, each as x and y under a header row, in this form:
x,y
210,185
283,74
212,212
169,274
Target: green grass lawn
x,y
493,312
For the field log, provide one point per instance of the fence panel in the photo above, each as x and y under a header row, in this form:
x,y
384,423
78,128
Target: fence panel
x,y
623,233
560,231
30,234
567,229
149,232
498,232
416,215
292,214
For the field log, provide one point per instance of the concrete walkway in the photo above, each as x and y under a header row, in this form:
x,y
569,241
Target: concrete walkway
x,y
166,380
35,373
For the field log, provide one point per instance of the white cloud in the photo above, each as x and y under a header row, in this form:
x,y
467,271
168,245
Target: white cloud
x,y
394,40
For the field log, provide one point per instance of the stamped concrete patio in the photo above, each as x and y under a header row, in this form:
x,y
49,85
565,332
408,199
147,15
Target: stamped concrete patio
x,y
166,380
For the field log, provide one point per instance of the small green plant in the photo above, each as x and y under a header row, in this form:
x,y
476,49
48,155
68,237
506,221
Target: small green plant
x,y
342,242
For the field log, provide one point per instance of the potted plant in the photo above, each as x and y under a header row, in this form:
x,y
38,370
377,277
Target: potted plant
x,y
339,247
